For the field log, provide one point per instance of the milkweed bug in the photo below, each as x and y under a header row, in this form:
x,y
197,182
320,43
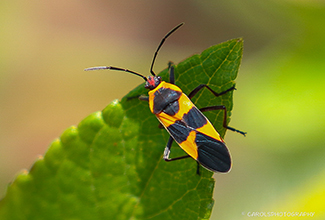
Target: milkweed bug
x,y
185,123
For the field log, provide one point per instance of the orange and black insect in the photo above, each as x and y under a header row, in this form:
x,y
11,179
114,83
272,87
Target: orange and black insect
x,y
185,123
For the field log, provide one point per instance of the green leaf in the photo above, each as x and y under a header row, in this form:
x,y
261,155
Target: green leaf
x,y
111,166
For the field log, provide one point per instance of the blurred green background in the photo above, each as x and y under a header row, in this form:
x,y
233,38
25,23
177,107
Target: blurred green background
x,y
278,167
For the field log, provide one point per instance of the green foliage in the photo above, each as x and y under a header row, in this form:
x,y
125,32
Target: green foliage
x,y
111,166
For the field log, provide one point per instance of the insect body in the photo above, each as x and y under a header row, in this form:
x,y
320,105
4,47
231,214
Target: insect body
x,y
185,123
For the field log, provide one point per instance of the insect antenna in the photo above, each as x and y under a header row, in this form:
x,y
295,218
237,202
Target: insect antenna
x,y
115,68
161,43
153,60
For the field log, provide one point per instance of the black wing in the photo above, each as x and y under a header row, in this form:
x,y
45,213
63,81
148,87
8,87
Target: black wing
x,y
212,154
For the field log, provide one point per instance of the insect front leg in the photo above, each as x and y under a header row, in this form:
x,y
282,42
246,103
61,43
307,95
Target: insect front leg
x,y
143,98
146,98
140,97
171,72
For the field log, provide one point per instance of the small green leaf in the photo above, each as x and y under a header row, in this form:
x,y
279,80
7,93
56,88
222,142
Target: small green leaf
x,y
111,166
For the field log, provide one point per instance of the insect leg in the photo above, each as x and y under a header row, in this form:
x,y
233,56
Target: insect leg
x,y
171,72
197,89
143,98
140,97
198,168
222,107
167,152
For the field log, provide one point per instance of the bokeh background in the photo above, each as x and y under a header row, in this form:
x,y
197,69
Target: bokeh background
x,y
278,167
